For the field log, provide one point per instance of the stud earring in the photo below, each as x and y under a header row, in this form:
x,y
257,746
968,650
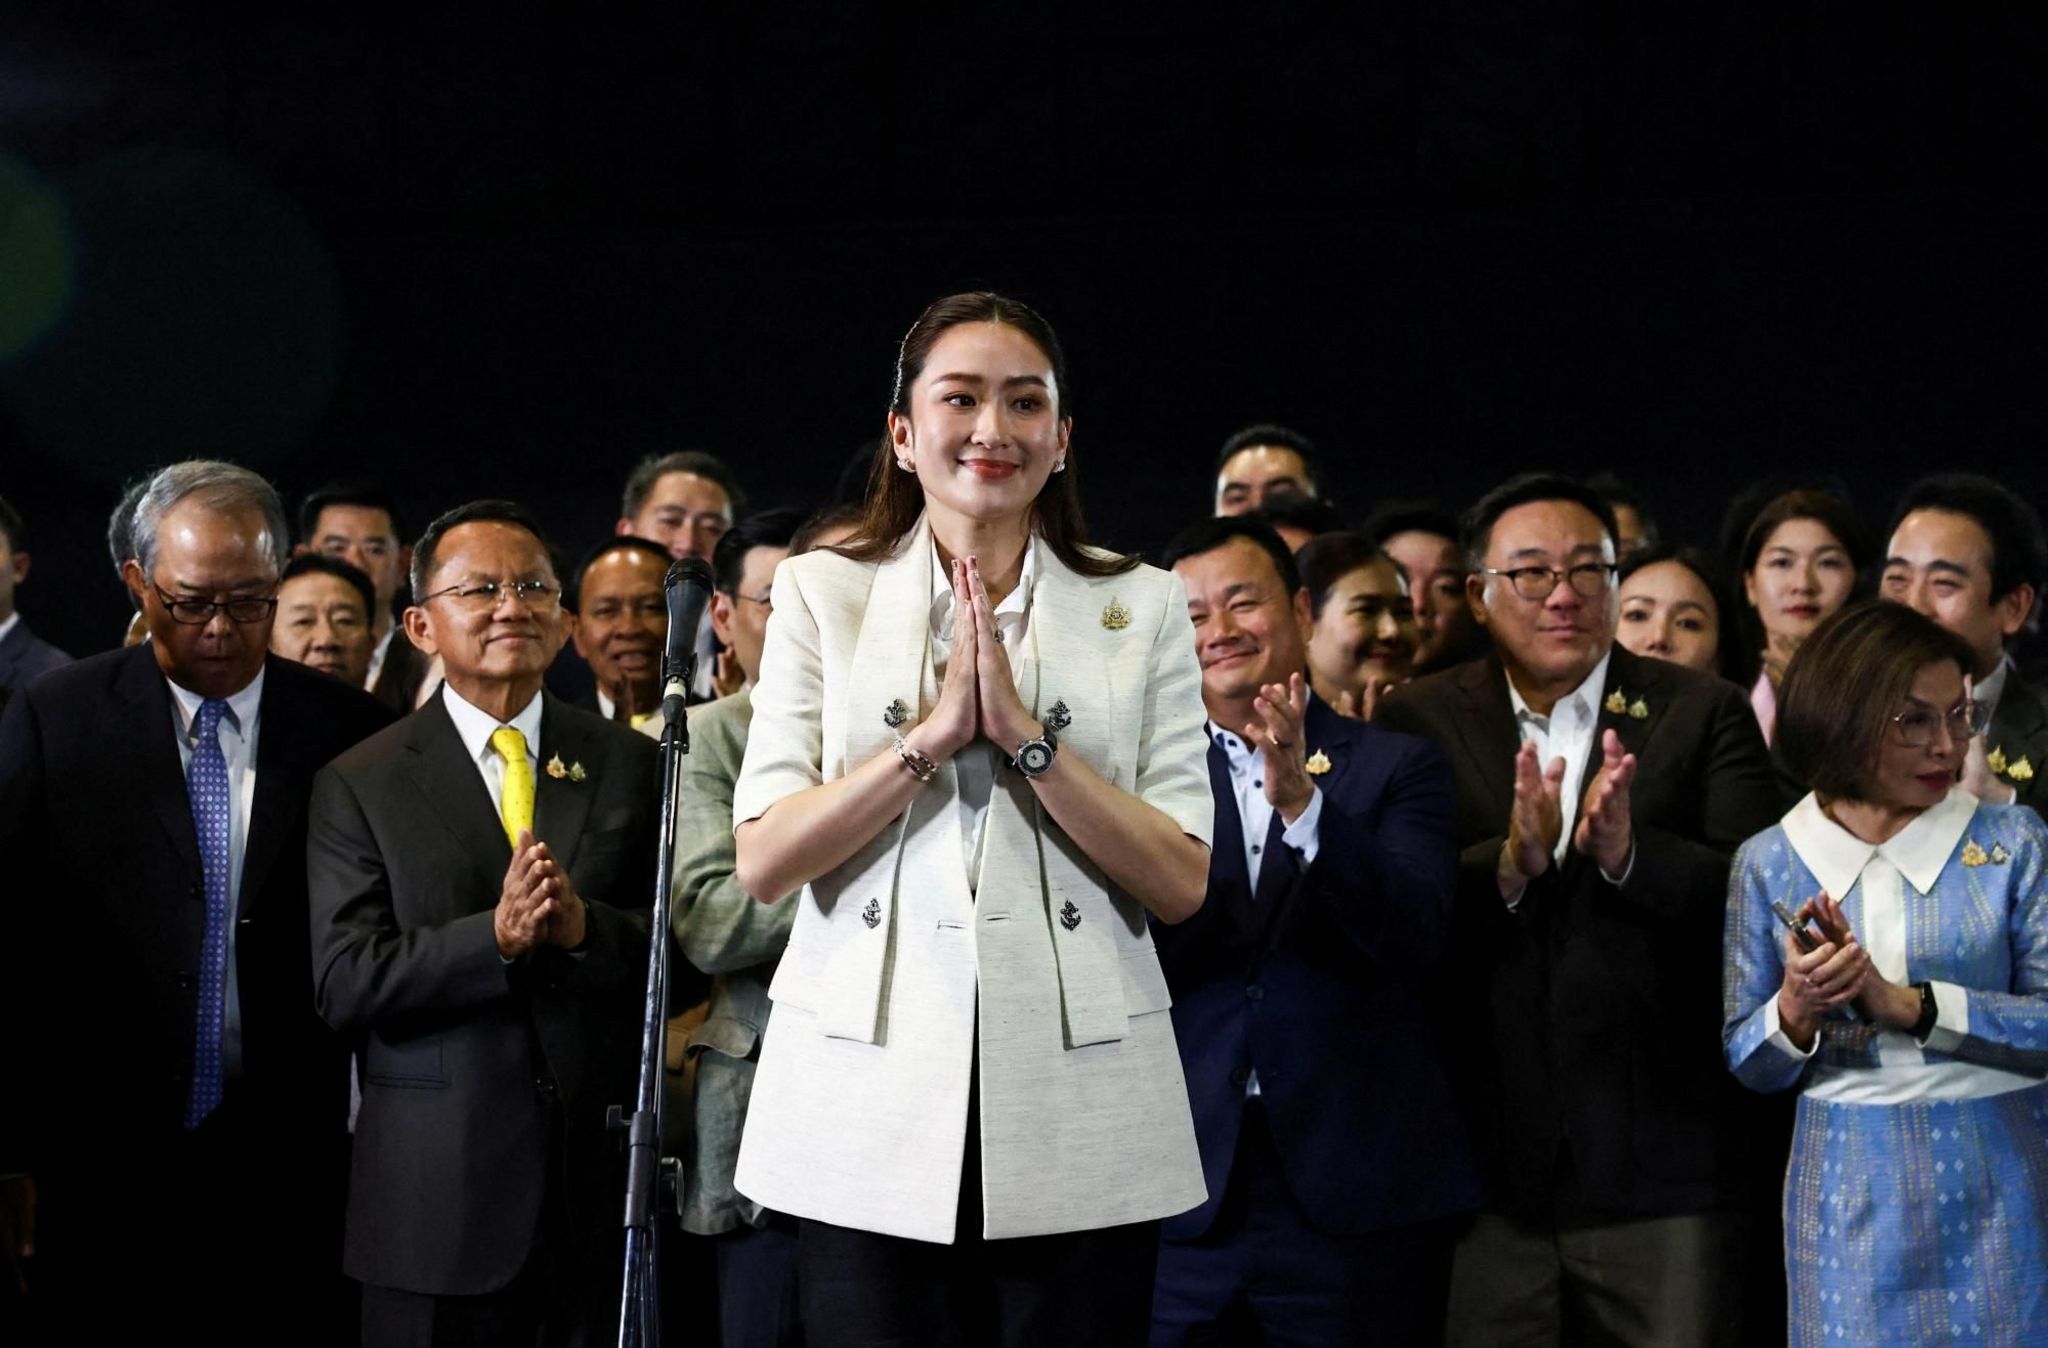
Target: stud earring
x,y
1059,465
904,464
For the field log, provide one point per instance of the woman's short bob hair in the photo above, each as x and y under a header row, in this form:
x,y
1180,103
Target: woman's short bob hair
x,y
1846,683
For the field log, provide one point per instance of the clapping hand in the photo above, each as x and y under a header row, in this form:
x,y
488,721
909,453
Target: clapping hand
x,y
1278,736
1824,979
1605,831
1361,705
1535,822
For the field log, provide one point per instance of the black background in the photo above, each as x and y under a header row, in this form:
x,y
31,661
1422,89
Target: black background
x,y
508,249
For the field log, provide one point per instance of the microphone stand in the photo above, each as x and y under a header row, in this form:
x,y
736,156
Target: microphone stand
x,y
653,1180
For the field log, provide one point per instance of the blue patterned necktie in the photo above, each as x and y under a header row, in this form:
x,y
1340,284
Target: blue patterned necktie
x,y
208,785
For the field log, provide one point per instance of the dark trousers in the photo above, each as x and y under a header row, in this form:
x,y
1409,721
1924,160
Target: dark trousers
x,y
1263,1274
1077,1289
757,1286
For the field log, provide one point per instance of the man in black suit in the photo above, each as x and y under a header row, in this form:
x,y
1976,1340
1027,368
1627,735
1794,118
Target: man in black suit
x,y
23,654
480,875
622,628
182,1107
1328,1136
358,523
1969,553
1600,797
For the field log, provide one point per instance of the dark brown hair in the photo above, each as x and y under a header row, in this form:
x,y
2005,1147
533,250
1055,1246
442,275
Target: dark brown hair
x,y
894,498
1845,684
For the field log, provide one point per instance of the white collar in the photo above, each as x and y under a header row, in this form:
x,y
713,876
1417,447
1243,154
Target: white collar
x,y
1013,608
476,726
1588,691
241,706
1919,850
7,623
1991,687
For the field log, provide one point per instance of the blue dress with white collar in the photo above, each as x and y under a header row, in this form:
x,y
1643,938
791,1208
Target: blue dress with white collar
x,y
1916,1202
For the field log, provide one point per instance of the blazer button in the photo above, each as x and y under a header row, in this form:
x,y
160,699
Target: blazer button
x,y
1254,991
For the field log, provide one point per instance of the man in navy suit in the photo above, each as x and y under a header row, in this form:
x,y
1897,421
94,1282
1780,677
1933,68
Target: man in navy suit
x,y
1329,1141
23,654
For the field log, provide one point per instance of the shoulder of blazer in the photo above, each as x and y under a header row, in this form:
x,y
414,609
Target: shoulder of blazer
x,y
320,705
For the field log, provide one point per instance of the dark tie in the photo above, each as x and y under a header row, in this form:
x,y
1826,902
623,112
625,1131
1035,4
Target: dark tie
x,y
208,785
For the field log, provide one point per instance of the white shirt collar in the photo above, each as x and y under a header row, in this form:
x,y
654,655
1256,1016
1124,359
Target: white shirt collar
x,y
1587,694
1919,850
1987,690
7,623
242,706
475,726
1009,614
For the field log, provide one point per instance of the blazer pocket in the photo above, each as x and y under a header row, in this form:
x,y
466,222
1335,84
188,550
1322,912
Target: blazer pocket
x,y
412,1064
1144,983
1092,1004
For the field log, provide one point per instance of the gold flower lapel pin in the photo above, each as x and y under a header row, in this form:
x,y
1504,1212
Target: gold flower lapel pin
x,y
1617,702
1318,763
1639,710
555,768
1973,855
1116,617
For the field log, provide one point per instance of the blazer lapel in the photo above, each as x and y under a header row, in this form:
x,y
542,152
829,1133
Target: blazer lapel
x,y
561,804
453,787
1487,731
280,767
149,722
892,657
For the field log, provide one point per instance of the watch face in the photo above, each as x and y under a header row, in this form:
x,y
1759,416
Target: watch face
x,y
1034,758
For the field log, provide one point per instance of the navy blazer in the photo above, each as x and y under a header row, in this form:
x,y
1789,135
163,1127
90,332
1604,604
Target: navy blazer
x,y
24,655
1316,982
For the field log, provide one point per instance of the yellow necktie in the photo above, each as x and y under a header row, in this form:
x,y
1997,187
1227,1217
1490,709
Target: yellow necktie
x,y
515,804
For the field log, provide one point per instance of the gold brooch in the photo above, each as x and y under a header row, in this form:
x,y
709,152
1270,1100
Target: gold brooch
x,y
1116,617
1995,760
576,772
1318,763
2021,770
1973,855
555,768
1616,702
1638,710
1999,856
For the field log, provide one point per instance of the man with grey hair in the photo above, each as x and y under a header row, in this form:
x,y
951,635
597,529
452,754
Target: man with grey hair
x,y
169,1085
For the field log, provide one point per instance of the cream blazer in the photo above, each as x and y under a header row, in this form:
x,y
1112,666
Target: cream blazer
x,y
859,1112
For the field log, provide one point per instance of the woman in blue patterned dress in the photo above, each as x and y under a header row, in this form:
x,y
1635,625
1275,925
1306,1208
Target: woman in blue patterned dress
x,y
1916,1027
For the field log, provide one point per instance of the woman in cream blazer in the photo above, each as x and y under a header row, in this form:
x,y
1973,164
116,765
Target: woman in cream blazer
x,y
943,949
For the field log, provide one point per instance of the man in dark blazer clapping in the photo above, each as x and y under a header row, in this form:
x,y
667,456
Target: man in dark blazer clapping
x,y
183,1109
480,876
1329,1142
1600,797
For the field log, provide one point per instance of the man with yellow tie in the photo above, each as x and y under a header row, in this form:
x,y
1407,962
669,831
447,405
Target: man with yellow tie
x,y
480,875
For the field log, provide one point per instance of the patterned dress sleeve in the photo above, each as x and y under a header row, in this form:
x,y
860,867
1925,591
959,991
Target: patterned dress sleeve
x,y
1752,971
2007,1027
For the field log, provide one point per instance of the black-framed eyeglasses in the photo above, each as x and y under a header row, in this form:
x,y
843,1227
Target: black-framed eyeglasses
x,y
1917,724
1589,580
195,612
537,596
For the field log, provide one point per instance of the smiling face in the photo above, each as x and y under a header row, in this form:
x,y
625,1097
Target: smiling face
x,y
685,513
1553,643
205,553
491,652
321,622
1249,630
1436,584
983,429
1939,562
622,625
1366,633
1802,575
1669,613
1908,777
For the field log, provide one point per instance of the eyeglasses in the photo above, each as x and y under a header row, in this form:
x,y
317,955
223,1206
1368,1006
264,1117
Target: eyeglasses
x,y
199,612
766,601
1918,724
483,597
1589,580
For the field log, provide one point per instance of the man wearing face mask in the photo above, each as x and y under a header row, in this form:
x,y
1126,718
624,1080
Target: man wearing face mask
x,y
182,1108
1600,797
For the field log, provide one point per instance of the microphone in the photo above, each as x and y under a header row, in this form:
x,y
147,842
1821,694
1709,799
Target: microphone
x,y
688,588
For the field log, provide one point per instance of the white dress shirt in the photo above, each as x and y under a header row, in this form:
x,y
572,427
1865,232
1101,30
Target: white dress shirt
x,y
238,746
377,654
7,623
1986,690
1569,732
476,728
978,763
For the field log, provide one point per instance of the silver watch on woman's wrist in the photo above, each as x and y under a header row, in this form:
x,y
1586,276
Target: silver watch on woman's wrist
x,y
1035,756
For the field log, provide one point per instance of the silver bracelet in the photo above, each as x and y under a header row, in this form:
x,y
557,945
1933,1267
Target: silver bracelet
x,y
920,767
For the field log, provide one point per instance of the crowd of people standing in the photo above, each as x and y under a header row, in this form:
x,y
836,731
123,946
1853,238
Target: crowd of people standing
x,y
1404,926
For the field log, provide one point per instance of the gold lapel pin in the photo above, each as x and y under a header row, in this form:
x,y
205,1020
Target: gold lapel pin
x,y
1116,617
1973,855
1318,763
555,768
1638,710
2020,771
1617,702
576,772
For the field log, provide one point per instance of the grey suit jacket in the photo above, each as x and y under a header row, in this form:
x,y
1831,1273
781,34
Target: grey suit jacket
x,y
24,656
484,1084
725,933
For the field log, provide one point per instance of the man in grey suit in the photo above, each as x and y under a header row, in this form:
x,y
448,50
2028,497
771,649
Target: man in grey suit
x,y
479,876
23,654
725,933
